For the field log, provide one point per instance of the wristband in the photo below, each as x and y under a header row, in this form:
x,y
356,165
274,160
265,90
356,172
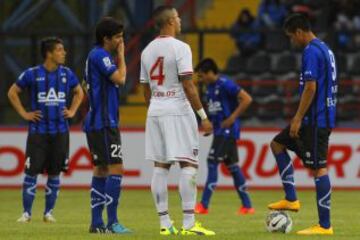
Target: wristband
x,y
202,114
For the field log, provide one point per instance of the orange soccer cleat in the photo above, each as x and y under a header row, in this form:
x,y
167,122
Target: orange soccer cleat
x,y
316,230
200,209
245,211
285,205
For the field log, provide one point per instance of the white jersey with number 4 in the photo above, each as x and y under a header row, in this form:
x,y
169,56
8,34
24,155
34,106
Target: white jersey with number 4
x,y
162,62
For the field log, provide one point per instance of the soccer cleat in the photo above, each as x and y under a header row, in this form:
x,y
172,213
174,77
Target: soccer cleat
x,y
197,229
25,218
168,231
100,229
49,218
117,228
200,209
285,205
316,230
245,211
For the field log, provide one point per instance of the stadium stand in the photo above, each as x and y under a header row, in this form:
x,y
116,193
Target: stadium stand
x,y
269,73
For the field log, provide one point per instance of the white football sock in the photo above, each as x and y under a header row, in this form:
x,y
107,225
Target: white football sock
x,y
160,194
187,189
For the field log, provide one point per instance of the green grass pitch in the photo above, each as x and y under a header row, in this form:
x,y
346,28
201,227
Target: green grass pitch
x,y
137,212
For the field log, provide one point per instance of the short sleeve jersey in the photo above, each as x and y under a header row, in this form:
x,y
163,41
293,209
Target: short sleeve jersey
x,y
318,64
222,101
162,62
49,93
103,94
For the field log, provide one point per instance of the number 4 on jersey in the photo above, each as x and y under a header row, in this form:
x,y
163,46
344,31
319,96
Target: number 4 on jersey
x,y
156,72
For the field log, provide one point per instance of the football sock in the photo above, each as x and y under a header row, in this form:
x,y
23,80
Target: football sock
x,y
210,184
112,194
187,189
51,193
159,189
28,193
240,184
286,171
323,194
97,194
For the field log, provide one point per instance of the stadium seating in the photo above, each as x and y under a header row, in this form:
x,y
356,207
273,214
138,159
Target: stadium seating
x,y
276,41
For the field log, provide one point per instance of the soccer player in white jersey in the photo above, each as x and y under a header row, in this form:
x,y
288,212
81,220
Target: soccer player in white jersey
x,y
171,127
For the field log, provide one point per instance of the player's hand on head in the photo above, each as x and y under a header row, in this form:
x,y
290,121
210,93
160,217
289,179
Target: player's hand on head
x,y
33,116
227,122
207,127
68,113
295,127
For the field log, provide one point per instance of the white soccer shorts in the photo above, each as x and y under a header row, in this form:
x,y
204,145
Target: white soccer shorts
x,y
173,138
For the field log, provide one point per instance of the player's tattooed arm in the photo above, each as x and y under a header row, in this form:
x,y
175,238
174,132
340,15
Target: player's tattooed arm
x,y
185,77
305,102
192,95
191,91
13,95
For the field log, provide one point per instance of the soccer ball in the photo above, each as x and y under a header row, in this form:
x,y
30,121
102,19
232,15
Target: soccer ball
x,y
278,221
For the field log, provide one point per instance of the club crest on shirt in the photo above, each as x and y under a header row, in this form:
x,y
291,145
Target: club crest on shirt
x,y
107,62
63,80
195,152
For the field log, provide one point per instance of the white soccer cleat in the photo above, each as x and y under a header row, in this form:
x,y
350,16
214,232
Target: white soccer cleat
x,y
49,218
25,218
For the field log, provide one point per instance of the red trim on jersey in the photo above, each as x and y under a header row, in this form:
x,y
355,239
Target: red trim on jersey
x,y
186,73
185,158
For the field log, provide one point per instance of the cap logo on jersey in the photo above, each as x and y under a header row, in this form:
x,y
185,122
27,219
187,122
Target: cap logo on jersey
x,y
51,98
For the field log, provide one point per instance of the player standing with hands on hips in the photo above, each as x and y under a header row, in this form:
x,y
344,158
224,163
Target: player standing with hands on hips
x,y
171,133
47,147
309,130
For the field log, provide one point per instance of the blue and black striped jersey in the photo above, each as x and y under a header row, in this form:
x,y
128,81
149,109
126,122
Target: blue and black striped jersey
x,y
49,93
103,94
222,101
318,64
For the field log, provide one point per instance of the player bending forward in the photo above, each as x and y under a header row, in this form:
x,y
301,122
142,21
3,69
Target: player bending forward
x,y
309,131
226,102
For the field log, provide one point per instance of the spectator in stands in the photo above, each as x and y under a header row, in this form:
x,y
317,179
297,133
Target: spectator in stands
x,y
347,19
271,13
244,32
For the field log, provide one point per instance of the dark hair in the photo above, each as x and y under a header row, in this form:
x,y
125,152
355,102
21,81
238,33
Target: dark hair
x,y
297,21
107,27
48,45
160,17
206,65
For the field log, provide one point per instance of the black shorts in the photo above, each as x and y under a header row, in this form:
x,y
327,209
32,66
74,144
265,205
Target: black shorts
x,y
47,153
311,146
105,146
224,150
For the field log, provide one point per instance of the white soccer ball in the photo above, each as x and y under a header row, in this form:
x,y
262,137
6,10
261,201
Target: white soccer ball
x,y
278,221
